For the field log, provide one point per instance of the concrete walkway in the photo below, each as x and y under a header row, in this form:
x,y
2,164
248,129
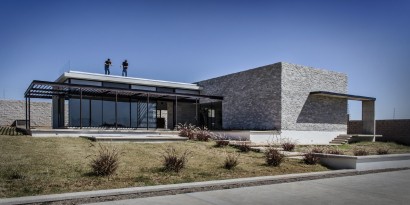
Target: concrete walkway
x,y
379,188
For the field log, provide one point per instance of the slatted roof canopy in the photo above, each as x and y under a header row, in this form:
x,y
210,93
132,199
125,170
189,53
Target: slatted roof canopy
x,y
341,95
45,89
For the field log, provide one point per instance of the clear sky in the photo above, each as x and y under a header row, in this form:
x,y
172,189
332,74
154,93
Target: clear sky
x,y
188,41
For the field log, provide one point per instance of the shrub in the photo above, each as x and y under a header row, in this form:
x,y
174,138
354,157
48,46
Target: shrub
x,y
310,158
243,147
106,161
173,161
14,173
221,143
273,157
334,151
382,150
187,130
317,149
288,146
231,160
203,134
360,151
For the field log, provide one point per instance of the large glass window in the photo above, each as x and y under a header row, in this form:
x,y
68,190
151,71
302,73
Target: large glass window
x,y
101,113
134,114
108,113
96,113
74,115
116,85
123,114
85,82
85,112
74,112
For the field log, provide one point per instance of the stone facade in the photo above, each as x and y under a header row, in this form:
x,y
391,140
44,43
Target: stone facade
x,y
252,98
304,112
277,97
11,110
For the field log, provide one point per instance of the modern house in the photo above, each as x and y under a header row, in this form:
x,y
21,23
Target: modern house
x,y
303,103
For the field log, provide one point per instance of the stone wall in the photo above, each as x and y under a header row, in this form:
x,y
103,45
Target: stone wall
x,y
11,110
304,112
392,130
251,98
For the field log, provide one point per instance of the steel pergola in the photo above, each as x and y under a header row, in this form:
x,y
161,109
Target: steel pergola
x,y
47,90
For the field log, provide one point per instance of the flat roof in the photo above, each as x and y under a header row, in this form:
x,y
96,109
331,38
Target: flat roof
x,y
45,89
127,80
342,95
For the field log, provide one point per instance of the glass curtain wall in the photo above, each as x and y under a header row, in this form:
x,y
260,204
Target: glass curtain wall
x,y
101,113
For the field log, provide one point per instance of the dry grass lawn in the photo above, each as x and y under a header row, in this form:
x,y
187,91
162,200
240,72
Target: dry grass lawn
x,y
371,147
35,166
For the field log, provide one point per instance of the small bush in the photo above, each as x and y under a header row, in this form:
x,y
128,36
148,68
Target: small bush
x,y
334,151
360,151
288,146
382,150
273,157
106,161
221,143
187,130
310,158
243,147
203,134
173,161
14,173
317,149
231,160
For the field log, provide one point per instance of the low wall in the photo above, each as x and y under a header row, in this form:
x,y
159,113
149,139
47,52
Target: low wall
x,y
392,130
11,110
371,162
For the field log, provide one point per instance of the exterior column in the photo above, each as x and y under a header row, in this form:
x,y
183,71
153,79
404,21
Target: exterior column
x,y
29,113
26,114
81,108
147,111
196,111
368,117
176,111
116,110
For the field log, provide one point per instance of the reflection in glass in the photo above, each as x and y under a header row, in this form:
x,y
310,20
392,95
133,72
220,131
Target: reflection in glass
x,y
74,112
123,114
96,113
85,113
101,113
108,113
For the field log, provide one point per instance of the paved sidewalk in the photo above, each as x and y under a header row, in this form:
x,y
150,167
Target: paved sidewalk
x,y
380,188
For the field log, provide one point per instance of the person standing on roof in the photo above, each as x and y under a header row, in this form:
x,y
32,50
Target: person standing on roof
x,y
124,68
107,66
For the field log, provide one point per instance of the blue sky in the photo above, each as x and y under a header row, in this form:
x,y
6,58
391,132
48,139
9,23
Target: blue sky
x,y
188,41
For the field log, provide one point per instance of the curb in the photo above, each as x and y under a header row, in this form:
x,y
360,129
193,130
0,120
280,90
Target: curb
x,y
172,189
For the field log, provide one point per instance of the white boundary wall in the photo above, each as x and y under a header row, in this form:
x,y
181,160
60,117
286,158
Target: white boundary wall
x,y
301,137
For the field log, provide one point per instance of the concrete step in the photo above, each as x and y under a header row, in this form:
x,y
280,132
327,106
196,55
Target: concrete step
x,y
137,139
341,139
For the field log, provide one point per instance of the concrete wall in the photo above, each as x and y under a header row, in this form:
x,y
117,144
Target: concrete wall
x,y
251,98
304,112
11,110
392,130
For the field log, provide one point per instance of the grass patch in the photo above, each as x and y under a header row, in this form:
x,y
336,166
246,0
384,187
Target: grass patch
x,y
372,148
36,166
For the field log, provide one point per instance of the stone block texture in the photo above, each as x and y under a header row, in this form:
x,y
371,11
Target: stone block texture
x,y
304,112
11,110
252,98
278,96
